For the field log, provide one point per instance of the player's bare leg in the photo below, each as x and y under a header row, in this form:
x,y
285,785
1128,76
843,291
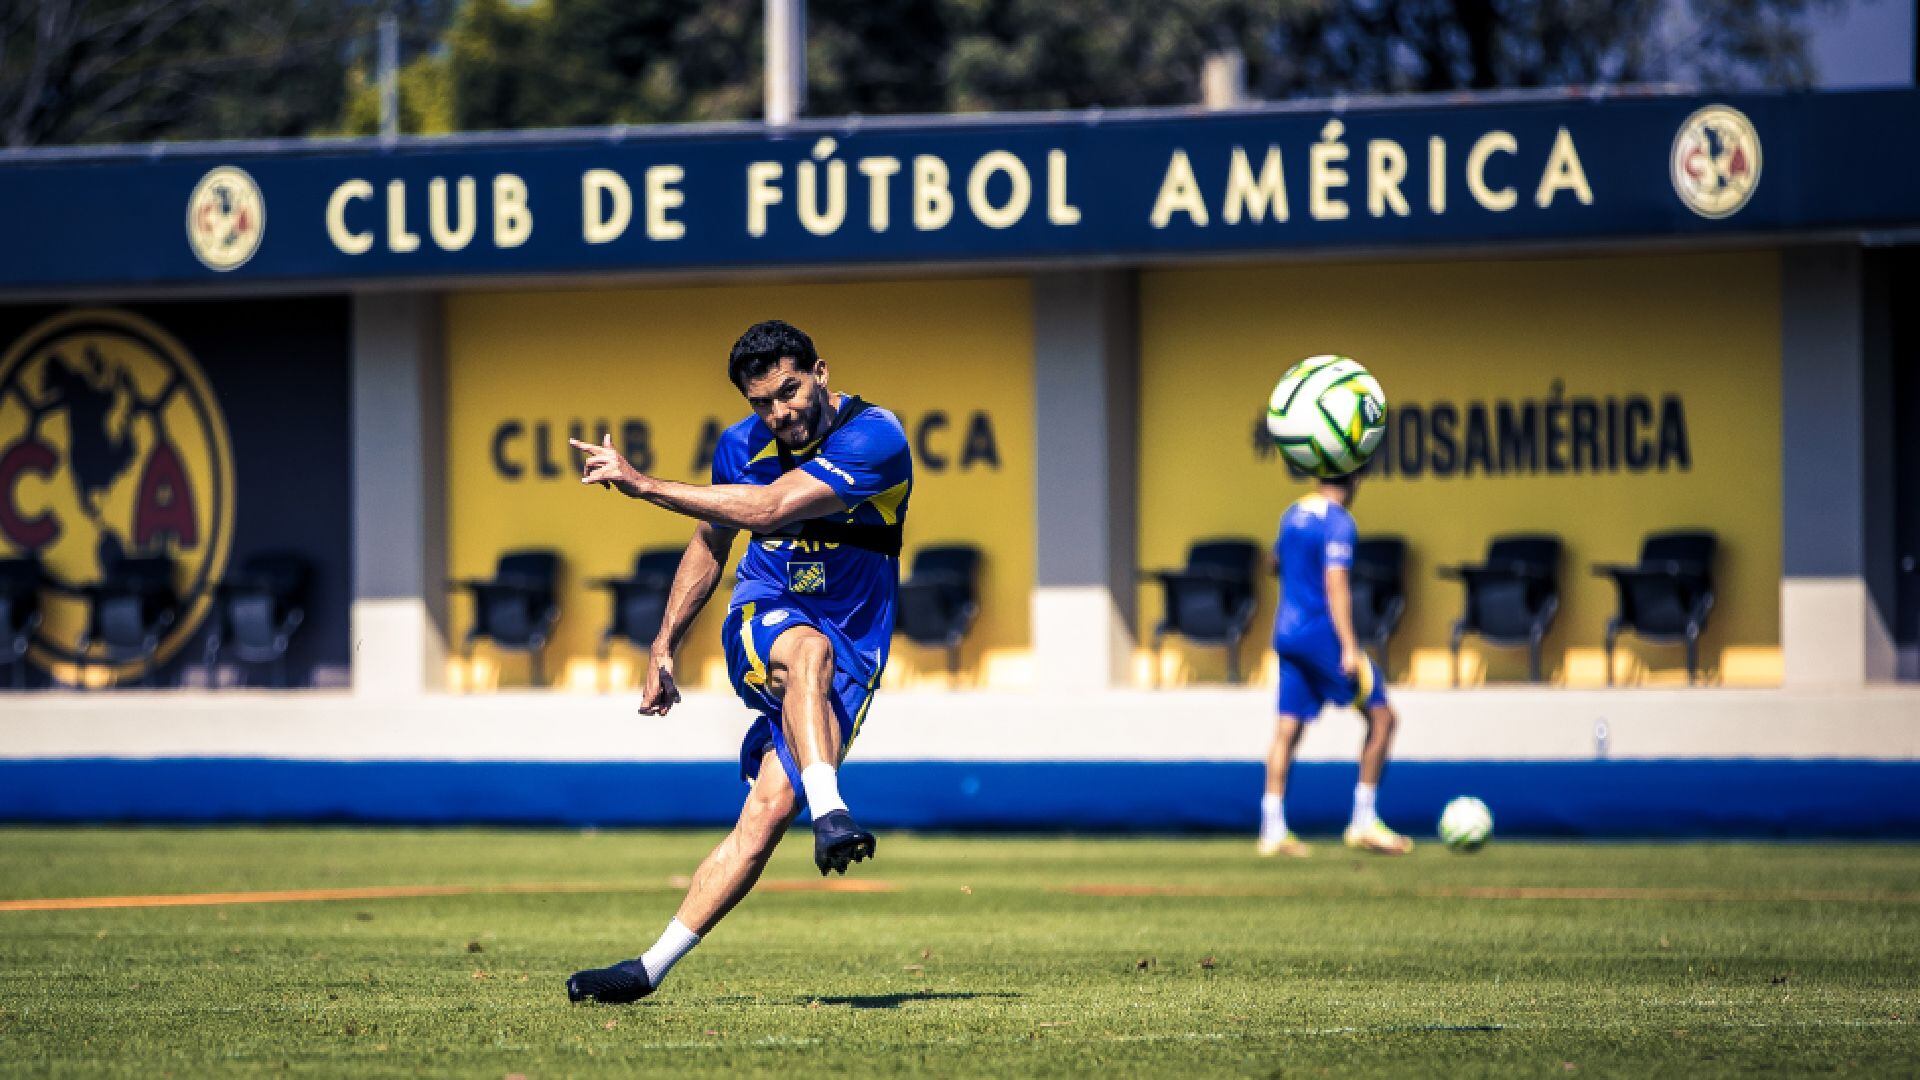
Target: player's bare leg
x,y
729,871
800,671
1275,839
1381,723
1367,831
724,878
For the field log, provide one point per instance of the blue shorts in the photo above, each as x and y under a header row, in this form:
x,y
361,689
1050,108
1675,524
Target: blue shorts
x,y
748,635
1309,681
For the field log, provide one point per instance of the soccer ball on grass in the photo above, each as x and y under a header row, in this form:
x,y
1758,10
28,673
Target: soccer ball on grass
x,y
1327,415
1466,824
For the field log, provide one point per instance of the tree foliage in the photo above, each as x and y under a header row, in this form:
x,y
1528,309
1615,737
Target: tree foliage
x,y
95,70
599,61
1441,45
75,71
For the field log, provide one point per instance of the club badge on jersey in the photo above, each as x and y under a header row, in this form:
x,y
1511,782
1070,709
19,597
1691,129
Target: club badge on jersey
x,y
806,578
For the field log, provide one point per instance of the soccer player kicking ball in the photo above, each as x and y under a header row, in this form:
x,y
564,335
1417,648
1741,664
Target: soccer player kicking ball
x,y
1320,663
821,481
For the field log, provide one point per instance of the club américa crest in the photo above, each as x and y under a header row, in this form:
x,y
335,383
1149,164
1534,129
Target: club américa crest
x,y
226,217
1716,161
112,446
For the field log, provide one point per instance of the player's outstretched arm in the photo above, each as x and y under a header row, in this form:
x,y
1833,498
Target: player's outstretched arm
x,y
797,496
693,584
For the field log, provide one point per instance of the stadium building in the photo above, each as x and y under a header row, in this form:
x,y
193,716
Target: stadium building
x,y
337,378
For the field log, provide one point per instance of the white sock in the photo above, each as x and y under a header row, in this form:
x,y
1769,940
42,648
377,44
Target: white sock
x,y
823,789
1363,815
675,942
1273,817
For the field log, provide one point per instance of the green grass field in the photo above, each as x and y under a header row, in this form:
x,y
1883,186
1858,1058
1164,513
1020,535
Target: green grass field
x,y
1026,956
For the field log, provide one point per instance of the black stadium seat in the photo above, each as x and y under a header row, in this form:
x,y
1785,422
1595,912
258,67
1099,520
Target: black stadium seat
x,y
256,611
1379,581
129,610
20,582
941,598
1667,596
1512,597
640,599
1211,600
518,608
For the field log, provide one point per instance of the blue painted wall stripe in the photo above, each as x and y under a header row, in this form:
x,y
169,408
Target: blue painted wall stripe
x,y
1682,798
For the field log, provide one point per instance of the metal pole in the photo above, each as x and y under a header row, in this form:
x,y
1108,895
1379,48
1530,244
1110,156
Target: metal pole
x,y
786,44
389,74
1223,80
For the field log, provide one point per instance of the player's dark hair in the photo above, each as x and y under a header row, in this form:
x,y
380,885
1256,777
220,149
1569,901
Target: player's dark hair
x,y
763,346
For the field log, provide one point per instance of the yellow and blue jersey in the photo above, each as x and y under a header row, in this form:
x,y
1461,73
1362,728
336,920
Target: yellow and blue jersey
x,y
839,575
866,460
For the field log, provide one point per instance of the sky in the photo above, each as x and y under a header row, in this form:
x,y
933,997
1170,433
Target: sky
x,y
1864,43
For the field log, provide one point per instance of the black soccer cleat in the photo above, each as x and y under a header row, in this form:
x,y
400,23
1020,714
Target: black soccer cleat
x,y
837,841
621,984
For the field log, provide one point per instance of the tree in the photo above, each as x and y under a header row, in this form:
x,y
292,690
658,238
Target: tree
x,y
425,98
586,62
77,71
98,70
1441,45
603,62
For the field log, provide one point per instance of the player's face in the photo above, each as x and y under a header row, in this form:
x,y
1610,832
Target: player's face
x,y
791,401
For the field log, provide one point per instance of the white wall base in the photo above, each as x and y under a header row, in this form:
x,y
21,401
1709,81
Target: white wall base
x,y
398,651
1080,642
1832,634
1875,723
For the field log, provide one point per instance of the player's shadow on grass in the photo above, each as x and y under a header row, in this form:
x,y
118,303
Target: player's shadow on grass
x,y
894,1001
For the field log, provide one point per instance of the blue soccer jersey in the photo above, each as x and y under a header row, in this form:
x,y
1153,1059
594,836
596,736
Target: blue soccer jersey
x,y
1315,533
827,581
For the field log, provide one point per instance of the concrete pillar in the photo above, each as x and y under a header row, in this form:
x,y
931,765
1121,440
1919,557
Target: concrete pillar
x,y
399,494
1837,492
1086,402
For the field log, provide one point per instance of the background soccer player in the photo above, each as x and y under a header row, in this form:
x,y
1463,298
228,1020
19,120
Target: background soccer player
x,y
821,481
1320,663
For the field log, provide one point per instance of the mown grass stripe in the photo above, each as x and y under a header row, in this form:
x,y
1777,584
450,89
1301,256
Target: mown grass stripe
x,y
1507,892
404,892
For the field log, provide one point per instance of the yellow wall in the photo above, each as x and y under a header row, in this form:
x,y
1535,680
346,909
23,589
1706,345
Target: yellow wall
x,y
1703,327
956,347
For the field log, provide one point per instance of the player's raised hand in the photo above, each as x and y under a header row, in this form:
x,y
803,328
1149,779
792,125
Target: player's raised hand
x,y
605,466
661,694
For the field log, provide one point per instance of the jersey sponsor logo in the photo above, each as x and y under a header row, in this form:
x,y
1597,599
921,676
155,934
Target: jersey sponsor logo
x,y
1716,161
226,218
112,446
806,578
773,618
811,547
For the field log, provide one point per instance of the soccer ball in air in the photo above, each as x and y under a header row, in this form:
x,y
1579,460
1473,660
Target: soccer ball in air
x,y
1466,824
1327,415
